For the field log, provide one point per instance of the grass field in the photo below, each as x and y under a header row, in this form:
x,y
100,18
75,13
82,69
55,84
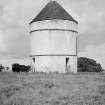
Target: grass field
x,y
52,89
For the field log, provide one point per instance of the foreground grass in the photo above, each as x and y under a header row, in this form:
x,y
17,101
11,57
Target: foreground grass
x,y
52,89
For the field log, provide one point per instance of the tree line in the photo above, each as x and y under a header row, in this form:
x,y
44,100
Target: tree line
x,y
16,68
84,65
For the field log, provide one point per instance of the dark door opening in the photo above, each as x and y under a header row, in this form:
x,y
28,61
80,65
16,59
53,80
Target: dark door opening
x,y
33,60
33,64
67,69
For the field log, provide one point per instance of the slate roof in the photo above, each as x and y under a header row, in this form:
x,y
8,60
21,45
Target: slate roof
x,y
52,11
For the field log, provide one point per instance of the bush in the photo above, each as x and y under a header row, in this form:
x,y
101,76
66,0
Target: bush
x,y
20,68
1,68
88,65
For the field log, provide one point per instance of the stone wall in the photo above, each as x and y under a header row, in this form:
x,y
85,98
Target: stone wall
x,y
52,41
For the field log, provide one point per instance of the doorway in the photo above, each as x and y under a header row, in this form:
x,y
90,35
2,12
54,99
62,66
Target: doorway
x,y
33,64
67,69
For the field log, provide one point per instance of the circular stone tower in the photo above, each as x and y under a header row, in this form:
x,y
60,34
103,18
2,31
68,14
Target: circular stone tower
x,y
53,40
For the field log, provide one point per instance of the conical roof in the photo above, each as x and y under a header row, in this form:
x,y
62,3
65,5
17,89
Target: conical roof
x,y
52,11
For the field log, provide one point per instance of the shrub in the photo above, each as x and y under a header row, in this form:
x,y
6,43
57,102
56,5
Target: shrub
x,y
20,68
88,65
1,68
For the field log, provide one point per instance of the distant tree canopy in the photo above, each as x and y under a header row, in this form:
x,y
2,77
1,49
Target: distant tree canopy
x,y
1,68
20,68
84,65
88,65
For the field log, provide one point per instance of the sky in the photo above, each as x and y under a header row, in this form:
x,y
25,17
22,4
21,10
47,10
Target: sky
x,y
15,16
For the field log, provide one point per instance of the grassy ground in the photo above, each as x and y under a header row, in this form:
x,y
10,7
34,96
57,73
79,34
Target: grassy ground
x,y
52,89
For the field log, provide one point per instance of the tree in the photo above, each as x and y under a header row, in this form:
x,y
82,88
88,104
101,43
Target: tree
x,y
16,67
88,65
20,68
1,68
